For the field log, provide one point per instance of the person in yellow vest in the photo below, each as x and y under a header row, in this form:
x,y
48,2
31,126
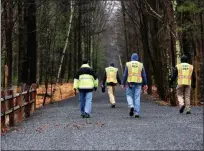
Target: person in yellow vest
x,y
185,76
111,78
135,76
85,81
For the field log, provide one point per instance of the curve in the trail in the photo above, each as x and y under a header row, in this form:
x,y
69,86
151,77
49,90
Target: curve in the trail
x,y
60,127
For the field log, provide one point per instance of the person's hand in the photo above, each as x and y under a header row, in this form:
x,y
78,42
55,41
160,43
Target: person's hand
x,y
102,86
123,86
75,92
145,88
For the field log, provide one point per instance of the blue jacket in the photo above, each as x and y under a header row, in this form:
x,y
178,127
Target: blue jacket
x,y
134,57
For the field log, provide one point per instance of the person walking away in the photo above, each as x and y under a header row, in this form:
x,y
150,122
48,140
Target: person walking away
x,y
135,76
85,82
186,79
111,78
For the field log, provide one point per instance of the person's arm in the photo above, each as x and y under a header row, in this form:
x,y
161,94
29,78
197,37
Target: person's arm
x,y
144,77
125,75
76,82
104,78
174,76
95,80
118,78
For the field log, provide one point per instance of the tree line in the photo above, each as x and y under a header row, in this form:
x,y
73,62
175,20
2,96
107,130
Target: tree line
x,y
44,41
160,31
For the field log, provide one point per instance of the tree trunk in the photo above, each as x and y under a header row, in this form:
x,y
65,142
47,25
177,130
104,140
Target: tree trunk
x,y
79,35
32,43
125,30
29,65
178,46
75,49
67,40
8,16
21,47
69,64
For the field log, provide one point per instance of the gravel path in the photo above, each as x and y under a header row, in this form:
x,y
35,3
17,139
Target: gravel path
x,y
59,127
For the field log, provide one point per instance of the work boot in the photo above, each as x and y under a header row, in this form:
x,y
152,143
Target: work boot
x,y
137,116
113,105
131,111
188,112
182,109
87,115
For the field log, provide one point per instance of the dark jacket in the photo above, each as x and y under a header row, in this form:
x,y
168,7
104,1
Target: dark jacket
x,y
134,57
111,83
85,70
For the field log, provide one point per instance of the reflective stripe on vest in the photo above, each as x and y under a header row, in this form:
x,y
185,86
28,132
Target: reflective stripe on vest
x,y
86,81
111,74
134,71
185,71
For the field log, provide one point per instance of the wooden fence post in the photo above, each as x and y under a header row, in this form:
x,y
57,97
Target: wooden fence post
x,y
11,106
3,110
27,107
31,103
35,93
20,103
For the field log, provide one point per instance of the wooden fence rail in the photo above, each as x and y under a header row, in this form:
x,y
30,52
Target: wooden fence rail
x,y
16,107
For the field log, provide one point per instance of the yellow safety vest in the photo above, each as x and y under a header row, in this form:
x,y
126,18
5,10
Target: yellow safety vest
x,y
111,74
134,71
85,81
185,71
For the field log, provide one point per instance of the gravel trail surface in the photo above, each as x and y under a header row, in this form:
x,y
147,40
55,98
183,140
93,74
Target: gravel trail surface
x,y
59,126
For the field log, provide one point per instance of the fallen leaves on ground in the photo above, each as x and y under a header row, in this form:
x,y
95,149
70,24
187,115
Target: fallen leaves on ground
x,y
84,125
76,125
62,91
100,124
42,128
162,103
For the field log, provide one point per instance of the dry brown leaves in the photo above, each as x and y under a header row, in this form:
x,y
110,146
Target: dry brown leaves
x,y
61,92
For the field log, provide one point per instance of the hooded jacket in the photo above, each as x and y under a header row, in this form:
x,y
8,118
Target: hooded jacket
x,y
86,69
134,57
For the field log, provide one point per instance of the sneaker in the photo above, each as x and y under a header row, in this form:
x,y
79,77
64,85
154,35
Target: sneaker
x,y
113,105
87,115
83,115
131,111
182,109
188,112
137,116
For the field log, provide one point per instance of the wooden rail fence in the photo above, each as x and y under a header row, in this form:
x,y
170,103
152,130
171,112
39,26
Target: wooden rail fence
x,y
16,107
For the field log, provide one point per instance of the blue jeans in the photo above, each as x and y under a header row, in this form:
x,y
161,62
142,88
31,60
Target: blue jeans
x,y
85,99
133,97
